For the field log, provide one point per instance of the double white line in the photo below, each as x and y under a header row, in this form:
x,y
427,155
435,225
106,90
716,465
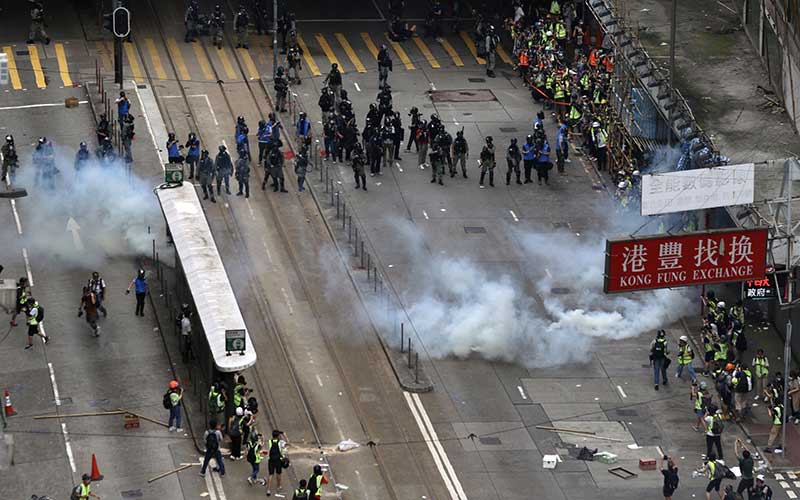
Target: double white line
x,y
435,447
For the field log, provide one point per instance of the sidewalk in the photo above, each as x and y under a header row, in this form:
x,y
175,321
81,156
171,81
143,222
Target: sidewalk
x,y
759,336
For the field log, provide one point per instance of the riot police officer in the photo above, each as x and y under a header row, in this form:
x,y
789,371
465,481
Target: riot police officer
x,y
437,164
513,158
240,27
224,168
384,66
205,175
82,158
491,42
487,161
276,168
243,173
10,160
445,141
45,163
334,82
192,153
294,61
218,25
190,21
37,32
359,166
126,136
460,153
281,90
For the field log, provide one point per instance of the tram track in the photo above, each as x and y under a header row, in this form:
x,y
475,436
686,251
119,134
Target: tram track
x,y
266,314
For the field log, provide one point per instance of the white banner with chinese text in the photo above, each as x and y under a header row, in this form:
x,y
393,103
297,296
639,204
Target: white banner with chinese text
x,y
697,189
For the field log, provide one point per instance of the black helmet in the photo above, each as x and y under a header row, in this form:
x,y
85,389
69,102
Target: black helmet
x,y
262,123
513,140
272,116
489,139
222,148
122,94
460,133
334,66
317,469
240,119
192,136
83,145
303,115
171,135
42,140
204,153
529,138
10,139
102,116
279,71
86,477
372,107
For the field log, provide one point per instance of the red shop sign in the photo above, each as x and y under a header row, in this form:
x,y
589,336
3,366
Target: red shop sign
x,y
663,261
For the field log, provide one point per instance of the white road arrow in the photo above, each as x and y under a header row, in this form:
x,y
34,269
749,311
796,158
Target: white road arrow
x,y
74,228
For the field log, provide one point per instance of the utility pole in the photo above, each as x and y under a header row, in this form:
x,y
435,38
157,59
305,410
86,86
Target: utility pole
x,y
672,30
274,39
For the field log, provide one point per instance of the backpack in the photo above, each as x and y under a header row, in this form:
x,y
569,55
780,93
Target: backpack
x,y
658,350
674,480
723,472
235,427
76,493
167,400
251,454
212,442
717,426
39,313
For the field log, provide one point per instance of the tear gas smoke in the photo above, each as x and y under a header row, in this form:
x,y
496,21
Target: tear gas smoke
x,y
463,308
111,206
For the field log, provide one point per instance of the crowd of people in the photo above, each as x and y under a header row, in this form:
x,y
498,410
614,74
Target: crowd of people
x,y
734,382
241,429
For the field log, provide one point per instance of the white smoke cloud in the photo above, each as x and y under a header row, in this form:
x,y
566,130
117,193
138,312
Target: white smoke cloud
x,y
463,308
112,207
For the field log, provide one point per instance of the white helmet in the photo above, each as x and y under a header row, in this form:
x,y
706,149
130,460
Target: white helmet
x,y
720,305
684,338
622,184
595,124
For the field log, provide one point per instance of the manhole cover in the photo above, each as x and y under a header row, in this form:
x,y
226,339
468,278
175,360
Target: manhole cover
x,y
22,53
508,130
489,440
560,291
560,224
64,401
467,114
141,86
99,402
476,80
628,413
131,494
478,95
474,230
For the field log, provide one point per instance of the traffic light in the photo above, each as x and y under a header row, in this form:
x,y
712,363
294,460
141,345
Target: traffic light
x,y
121,25
108,22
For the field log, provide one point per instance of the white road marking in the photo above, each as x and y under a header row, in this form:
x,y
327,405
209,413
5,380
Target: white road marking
x,y
357,87
621,392
398,166
791,494
797,484
27,266
53,383
459,490
424,213
513,215
213,115
791,475
319,380
433,87
785,485
218,484
288,304
380,12
30,106
547,271
68,446
210,486
521,392
16,216
779,477
250,207
426,437
443,210
64,431
266,249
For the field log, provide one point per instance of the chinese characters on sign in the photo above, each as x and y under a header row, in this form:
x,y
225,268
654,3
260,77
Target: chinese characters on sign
x,y
698,189
759,289
686,259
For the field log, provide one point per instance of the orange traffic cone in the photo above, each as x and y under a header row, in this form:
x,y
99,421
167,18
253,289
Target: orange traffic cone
x,y
9,408
96,476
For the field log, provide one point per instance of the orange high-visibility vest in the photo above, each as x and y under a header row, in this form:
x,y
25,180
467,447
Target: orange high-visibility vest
x,y
523,59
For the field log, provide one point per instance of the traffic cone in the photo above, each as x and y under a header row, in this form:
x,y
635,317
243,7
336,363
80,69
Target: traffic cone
x,y
96,476
9,408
